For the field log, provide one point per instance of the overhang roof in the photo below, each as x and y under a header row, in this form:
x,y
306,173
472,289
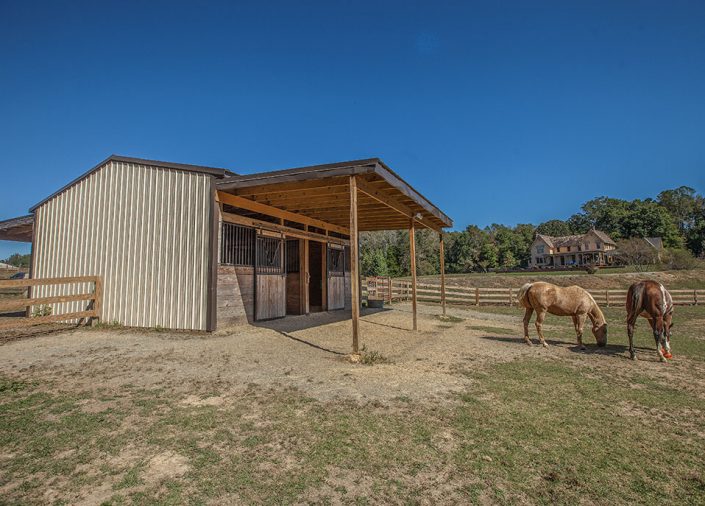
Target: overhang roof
x,y
213,171
17,229
385,200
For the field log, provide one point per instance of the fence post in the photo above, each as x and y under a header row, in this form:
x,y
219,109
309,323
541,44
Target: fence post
x,y
511,302
477,296
389,281
98,302
607,298
695,297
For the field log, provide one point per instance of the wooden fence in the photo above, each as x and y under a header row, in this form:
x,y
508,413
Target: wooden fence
x,y
91,312
394,290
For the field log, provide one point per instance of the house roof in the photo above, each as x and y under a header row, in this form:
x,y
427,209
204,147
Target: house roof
x,y
213,171
656,242
322,192
17,229
571,240
605,238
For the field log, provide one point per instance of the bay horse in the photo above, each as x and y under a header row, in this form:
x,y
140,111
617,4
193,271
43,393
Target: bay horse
x,y
652,301
562,301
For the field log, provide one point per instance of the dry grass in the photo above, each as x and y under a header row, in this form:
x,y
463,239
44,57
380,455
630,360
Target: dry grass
x,y
463,412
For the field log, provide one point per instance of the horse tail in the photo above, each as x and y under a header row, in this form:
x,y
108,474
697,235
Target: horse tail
x,y
523,292
635,300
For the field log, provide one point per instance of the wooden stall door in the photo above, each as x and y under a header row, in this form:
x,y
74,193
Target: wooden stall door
x,y
336,277
270,278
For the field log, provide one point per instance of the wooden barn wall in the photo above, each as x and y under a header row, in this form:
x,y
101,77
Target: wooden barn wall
x,y
293,293
235,295
271,302
145,230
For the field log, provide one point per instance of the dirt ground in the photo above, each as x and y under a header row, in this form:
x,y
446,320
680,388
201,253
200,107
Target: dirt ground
x,y
459,412
308,353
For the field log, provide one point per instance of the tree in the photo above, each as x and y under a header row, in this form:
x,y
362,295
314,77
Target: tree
x,y
554,228
488,256
646,218
18,260
606,214
636,252
683,204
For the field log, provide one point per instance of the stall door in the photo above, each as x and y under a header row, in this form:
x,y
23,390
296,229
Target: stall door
x,y
270,278
336,277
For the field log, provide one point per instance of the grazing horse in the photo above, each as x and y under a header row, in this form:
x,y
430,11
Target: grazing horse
x,y
569,301
652,301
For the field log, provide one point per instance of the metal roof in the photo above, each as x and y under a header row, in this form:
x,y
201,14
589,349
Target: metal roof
x,y
214,171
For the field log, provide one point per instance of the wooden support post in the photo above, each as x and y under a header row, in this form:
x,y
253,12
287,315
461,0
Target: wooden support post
x,y
354,270
412,254
389,287
98,302
443,273
477,296
607,298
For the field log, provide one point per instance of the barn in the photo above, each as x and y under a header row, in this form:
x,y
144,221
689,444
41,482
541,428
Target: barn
x,y
191,247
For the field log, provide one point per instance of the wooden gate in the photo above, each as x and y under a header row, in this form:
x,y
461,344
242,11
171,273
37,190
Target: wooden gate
x,y
335,266
270,278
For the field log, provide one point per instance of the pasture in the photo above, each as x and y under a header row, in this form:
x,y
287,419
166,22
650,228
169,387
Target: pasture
x,y
460,411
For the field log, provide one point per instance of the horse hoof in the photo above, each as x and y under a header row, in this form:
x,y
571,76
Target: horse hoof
x,y
544,345
633,356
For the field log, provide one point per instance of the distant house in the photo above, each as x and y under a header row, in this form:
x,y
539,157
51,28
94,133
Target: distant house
x,y
7,267
593,248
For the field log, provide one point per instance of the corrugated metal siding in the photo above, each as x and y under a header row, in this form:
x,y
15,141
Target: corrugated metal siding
x,y
145,230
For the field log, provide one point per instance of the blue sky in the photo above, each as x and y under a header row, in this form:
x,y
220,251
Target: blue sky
x,y
499,112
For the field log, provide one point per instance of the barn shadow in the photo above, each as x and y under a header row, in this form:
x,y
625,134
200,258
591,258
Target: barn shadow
x,y
295,323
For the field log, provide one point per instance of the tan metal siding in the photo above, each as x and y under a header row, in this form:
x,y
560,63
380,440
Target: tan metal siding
x,y
145,230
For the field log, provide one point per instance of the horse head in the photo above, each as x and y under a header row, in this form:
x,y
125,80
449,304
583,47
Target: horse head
x,y
600,333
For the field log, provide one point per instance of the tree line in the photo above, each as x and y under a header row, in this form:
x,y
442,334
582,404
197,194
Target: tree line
x,y
677,216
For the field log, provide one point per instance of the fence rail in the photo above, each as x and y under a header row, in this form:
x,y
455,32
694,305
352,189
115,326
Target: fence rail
x,y
394,290
91,312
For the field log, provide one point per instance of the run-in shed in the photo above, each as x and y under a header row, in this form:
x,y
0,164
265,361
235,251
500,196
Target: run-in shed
x,y
191,247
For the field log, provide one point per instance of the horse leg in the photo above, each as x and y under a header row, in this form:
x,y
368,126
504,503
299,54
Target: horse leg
x,y
631,321
667,323
540,315
657,327
527,317
579,322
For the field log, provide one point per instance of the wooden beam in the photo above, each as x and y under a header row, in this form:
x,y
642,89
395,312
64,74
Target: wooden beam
x,y
305,275
274,227
394,203
412,248
443,272
354,270
257,207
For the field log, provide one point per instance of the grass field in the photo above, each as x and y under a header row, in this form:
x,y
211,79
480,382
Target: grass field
x,y
222,419
619,278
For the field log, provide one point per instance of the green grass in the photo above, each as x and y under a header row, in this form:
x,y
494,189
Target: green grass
x,y
688,333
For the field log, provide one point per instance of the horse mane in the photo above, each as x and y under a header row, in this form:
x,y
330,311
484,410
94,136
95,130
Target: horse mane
x,y
596,311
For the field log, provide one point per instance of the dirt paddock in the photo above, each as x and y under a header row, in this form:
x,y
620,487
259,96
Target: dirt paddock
x,y
460,410
307,352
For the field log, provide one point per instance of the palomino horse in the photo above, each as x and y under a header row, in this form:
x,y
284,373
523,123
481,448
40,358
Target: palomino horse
x,y
569,301
652,301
